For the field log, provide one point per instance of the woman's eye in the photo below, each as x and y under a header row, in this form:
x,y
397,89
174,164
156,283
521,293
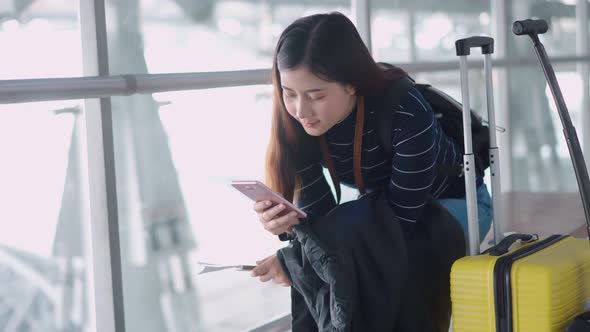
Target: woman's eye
x,y
289,95
317,97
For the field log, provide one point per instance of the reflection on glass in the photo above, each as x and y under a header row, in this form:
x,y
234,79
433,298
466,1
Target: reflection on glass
x,y
204,35
43,264
424,30
40,39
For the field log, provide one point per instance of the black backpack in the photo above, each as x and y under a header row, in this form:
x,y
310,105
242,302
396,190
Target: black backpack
x,y
449,114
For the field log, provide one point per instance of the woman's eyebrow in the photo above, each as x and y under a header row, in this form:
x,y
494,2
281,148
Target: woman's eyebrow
x,y
314,90
306,91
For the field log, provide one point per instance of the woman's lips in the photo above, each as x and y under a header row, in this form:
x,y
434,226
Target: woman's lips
x,y
310,124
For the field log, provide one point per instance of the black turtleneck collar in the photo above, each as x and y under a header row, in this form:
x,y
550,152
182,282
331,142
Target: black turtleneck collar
x,y
343,129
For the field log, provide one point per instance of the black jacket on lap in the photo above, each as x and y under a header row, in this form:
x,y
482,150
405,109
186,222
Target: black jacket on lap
x,y
356,269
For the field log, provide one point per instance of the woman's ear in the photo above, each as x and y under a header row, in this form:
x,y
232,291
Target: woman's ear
x,y
351,90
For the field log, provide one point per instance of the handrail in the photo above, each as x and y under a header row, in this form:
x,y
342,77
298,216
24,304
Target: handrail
x,y
45,89
33,90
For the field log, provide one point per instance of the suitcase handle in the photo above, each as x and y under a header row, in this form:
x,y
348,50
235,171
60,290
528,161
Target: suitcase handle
x,y
464,46
502,247
528,27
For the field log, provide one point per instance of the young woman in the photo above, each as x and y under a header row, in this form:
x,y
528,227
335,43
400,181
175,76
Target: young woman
x,y
321,71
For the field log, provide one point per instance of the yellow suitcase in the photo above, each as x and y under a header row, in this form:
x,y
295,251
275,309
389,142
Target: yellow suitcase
x,y
539,286
522,284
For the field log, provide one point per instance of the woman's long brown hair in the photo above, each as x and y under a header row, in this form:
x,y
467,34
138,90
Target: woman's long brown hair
x,y
330,47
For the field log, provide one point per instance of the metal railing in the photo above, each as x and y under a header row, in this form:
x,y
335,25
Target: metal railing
x,y
32,90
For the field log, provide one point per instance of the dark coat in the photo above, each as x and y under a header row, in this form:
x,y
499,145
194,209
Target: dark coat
x,y
357,269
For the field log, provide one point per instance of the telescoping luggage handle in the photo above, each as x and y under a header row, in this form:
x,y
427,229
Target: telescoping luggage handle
x,y
463,48
533,28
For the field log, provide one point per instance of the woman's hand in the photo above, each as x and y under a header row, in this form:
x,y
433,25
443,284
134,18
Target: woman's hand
x,y
270,269
270,219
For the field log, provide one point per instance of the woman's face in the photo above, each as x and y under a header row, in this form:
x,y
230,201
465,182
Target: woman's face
x,y
317,104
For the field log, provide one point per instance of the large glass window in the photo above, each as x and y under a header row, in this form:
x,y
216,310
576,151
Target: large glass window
x,y
204,35
44,237
177,152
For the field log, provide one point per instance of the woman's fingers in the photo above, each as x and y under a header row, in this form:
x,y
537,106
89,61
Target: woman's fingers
x,y
260,206
269,217
265,278
281,224
270,269
269,214
259,270
263,269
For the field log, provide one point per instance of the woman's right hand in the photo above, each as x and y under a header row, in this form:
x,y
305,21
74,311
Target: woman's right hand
x,y
270,269
270,219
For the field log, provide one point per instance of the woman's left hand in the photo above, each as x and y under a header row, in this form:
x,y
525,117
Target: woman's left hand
x,y
270,269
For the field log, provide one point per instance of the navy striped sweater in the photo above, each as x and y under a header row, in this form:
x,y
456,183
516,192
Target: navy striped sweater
x,y
410,174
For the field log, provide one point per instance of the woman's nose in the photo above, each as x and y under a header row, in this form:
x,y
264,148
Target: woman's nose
x,y
303,109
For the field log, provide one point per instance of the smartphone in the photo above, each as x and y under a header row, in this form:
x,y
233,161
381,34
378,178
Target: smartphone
x,y
258,191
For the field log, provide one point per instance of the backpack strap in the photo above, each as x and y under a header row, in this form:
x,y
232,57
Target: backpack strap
x,y
385,119
396,90
425,90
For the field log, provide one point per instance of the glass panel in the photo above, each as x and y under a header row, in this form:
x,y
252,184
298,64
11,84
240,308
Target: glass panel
x,y
561,37
404,31
29,29
541,159
44,221
204,35
176,155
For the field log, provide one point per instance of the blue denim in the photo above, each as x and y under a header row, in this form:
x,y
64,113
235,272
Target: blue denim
x,y
458,208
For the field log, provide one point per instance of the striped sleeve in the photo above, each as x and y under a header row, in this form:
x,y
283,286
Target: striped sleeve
x,y
315,195
414,158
